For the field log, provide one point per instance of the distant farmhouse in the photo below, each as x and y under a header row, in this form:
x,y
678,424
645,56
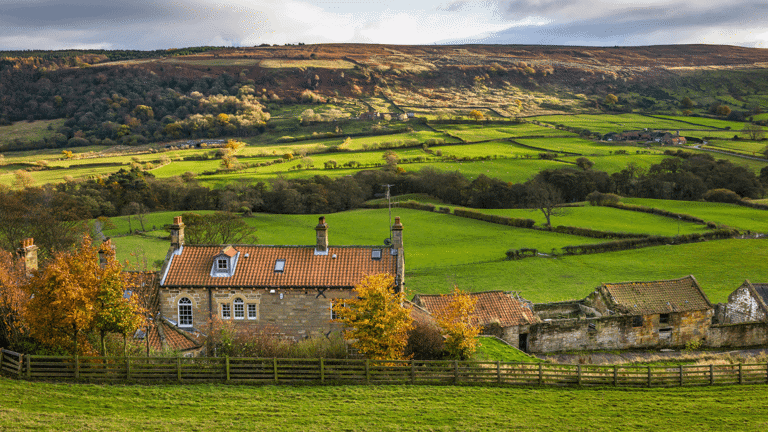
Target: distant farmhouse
x,y
665,138
287,289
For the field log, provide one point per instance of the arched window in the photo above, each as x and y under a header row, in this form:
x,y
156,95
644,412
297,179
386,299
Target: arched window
x,y
239,307
185,312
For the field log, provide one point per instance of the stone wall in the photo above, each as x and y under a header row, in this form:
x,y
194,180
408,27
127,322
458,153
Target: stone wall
x,y
618,332
294,313
737,335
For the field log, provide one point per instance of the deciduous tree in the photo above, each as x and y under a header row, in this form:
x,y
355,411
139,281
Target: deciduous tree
x,y
217,228
754,132
376,320
545,197
13,301
73,295
456,322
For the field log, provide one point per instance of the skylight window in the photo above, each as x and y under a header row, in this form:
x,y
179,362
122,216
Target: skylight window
x,y
376,254
279,266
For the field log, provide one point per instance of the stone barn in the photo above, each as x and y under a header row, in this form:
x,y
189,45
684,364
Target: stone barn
x,y
748,303
628,315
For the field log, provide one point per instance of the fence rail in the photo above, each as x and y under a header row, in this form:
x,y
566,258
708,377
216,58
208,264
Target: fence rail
x,y
356,371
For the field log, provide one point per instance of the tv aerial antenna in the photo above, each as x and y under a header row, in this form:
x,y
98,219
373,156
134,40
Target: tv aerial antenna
x,y
388,241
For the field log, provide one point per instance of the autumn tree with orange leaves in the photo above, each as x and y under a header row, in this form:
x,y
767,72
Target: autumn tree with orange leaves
x,y
13,301
376,320
457,325
74,295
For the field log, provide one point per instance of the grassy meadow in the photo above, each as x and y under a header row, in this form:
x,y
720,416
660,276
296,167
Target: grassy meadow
x,y
445,250
203,407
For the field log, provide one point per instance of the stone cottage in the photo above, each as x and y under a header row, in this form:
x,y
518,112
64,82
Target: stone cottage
x,y
286,289
502,314
748,303
665,313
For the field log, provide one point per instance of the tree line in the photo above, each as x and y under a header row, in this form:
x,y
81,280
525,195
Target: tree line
x,y
52,213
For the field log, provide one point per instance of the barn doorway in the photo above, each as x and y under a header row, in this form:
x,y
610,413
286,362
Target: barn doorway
x,y
523,342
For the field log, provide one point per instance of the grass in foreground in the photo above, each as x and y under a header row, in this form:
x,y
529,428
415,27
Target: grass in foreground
x,y
45,406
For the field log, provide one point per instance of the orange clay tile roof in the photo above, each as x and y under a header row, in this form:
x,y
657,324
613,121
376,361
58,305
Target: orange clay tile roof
x,y
491,306
648,298
173,338
341,267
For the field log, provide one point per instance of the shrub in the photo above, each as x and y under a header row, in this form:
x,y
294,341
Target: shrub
x,y
425,342
600,199
722,196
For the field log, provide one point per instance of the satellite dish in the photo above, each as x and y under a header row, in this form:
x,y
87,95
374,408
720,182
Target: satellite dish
x,y
387,242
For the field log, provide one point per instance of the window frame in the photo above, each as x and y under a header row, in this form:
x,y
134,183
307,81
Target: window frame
x,y
226,311
255,308
280,265
186,304
238,303
222,264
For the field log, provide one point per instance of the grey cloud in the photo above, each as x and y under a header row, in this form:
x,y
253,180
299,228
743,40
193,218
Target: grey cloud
x,y
636,26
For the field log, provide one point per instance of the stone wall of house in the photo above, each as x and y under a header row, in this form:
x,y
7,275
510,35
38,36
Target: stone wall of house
x,y
741,307
618,332
293,313
737,335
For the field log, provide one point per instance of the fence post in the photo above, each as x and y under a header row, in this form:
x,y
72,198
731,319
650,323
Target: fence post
x,y
322,370
178,368
413,372
367,371
741,375
711,374
541,375
455,371
498,372
77,366
649,376
127,368
29,366
615,375
274,368
681,375
21,364
226,361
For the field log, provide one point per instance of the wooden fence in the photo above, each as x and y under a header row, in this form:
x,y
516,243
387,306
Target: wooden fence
x,y
356,371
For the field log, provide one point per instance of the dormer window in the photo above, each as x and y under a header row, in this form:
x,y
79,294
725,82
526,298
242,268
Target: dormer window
x,y
279,266
225,262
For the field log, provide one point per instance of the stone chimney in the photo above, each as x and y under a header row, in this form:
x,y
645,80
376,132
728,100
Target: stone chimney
x,y
28,254
106,248
177,233
397,234
397,248
322,236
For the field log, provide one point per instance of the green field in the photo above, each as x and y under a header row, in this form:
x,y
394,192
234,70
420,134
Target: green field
x,y
445,250
471,133
26,131
604,123
743,218
207,407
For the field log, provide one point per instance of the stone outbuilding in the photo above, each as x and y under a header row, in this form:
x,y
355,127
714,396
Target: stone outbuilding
x,y
628,315
502,314
288,290
748,303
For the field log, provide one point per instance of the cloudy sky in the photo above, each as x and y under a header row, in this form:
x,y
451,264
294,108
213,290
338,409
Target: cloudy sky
x,y
144,24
